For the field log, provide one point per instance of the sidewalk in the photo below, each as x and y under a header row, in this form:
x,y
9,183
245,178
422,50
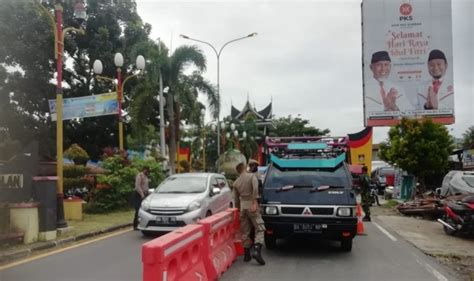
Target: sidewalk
x,y
428,236
90,226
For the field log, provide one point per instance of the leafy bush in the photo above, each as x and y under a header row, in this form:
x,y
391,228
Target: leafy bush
x,y
122,181
74,171
76,153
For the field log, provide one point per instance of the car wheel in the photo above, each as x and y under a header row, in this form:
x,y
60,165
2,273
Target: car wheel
x,y
148,233
231,205
346,245
270,241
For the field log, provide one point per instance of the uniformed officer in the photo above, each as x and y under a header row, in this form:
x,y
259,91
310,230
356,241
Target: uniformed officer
x,y
246,194
365,193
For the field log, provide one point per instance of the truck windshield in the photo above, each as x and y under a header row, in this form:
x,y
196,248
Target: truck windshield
x,y
277,178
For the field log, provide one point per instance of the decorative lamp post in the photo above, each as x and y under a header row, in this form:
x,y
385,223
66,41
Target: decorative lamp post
x,y
218,55
59,34
118,61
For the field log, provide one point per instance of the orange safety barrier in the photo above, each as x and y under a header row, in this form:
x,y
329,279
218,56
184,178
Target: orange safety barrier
x,y
360,223
176,256
219,249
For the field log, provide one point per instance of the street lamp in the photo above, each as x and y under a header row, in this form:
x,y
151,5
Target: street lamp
x,y
118,61
59,33
218,54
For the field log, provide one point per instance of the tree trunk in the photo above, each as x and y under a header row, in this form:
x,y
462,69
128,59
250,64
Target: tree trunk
x,y
172,143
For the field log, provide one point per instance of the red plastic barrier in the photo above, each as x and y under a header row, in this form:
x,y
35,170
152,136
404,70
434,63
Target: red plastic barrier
x,y
176,256
219,247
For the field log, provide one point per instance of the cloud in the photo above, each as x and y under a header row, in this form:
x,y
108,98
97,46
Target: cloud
x,y
306,57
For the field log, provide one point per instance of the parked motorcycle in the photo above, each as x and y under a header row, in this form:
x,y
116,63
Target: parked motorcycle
x,y
374,197
459,216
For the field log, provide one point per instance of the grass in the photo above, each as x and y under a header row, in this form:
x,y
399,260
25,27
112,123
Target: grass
x,y
96,222
390,204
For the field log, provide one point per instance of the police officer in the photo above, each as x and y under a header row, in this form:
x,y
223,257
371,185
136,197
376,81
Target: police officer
x,y
365,193
253,168
246,194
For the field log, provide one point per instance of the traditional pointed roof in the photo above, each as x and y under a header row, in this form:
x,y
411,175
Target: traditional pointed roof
x,y
264,114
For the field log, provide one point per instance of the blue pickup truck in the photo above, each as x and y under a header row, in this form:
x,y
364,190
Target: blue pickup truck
x,y
308,190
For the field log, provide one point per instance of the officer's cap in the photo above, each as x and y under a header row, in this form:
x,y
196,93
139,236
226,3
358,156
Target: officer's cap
x,y
380,56
437,54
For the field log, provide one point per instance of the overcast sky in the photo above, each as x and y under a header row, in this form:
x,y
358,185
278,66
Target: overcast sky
x,y
306,57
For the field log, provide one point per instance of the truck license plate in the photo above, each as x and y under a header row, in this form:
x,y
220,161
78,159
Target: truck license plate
x,y
307,228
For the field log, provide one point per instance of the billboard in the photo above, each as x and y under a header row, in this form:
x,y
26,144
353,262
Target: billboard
x,y
87,106
407,61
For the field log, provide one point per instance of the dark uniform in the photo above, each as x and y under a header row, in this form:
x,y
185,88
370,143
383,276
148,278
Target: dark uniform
x,y
365,194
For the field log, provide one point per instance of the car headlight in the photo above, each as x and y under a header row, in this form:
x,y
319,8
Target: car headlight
x,y
194,206
344,212
146,204
271,210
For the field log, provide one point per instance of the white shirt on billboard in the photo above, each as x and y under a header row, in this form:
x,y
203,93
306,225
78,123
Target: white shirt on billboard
x,y
445,94
373,96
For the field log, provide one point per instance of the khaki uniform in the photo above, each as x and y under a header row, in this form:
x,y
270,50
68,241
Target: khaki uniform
x,y
246,193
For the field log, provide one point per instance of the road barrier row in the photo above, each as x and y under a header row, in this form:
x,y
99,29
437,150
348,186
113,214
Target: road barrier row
x,y
202,251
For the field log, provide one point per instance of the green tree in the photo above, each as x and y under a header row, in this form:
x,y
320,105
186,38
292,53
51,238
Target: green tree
x,y
296,127
468,138
27,69
183,89
421,148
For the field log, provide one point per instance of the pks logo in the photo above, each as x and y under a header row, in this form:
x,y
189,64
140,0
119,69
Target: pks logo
x,y
405,10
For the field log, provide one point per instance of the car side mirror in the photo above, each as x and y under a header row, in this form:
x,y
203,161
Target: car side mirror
x,y
216,191
438,191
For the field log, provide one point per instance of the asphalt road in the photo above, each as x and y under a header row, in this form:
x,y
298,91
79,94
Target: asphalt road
x,y
378,256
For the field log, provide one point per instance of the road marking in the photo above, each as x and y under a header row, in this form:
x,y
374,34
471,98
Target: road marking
x,y
393,238
430,269
14,264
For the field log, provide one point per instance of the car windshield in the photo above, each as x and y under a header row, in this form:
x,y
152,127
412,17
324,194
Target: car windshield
x,y
183,185
307,178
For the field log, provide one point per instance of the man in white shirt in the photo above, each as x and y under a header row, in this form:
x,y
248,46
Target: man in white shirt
x,y
438,92
380,93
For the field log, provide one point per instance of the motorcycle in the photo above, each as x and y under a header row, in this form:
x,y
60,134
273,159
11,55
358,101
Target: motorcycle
x,y
374,195
459,216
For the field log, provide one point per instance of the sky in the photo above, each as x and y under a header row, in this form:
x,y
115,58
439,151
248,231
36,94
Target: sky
x,y
306,58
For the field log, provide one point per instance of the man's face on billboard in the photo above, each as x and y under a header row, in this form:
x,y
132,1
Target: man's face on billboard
x,y
437,68
381,70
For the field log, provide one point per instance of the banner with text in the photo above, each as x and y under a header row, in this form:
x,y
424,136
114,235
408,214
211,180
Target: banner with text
x,y
87,106
407,61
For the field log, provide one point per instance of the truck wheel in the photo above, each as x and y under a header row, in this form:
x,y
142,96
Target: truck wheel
x,y
270,242
346,245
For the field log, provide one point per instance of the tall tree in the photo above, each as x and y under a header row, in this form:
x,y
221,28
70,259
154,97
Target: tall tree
x,y
183,89
421,148
296,127
468,138
27,68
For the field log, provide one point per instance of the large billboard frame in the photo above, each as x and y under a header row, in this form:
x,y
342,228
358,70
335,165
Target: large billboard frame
x,y
404,46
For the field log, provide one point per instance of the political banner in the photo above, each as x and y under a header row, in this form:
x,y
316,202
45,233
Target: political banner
x,y
87,106
407,61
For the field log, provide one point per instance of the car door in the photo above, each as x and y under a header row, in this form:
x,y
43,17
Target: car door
x,y
225,194
214,203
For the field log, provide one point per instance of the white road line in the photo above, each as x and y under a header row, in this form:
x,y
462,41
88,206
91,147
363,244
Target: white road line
x,y
393,238
430,269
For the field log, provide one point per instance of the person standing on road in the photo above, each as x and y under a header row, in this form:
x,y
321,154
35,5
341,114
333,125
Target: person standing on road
x,y
140,192
246,195
365,193
253,168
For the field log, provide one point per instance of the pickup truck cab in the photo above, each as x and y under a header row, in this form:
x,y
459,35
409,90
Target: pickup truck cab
x,y
308,190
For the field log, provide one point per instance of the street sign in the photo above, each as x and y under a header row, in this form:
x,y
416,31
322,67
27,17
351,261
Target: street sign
x,y
87,106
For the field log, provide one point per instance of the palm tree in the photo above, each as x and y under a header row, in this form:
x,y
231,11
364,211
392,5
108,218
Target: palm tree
x,y
183,88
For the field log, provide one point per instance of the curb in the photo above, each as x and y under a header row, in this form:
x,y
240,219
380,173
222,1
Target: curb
x,y
14,255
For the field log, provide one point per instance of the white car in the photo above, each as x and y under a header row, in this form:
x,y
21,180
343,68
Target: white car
x,y
184,199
